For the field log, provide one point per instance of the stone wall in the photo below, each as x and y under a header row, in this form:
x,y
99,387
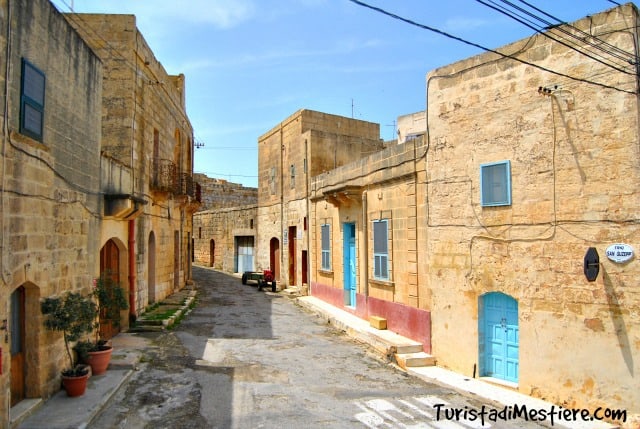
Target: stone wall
x,y
215,233
305,144
157,150
51,202
219,193
573,149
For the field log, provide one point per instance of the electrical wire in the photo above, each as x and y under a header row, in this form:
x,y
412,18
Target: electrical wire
x,y
484,48
585,36
623,56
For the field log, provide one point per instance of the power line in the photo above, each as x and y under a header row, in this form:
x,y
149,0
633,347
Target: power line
x,y
561,26
484,48
491,4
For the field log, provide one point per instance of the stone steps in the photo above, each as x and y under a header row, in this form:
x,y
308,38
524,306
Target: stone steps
x,y
414,360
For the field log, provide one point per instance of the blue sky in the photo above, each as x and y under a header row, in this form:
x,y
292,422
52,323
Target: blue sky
x,y
249,64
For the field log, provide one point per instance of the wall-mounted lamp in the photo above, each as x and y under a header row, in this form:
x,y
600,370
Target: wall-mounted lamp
x,y
591,264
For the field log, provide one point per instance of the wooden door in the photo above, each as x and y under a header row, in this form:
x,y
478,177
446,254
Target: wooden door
x,y
499,318
17,346
109,273
292,256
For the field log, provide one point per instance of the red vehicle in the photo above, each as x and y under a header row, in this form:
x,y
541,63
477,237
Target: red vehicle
x,y
264,279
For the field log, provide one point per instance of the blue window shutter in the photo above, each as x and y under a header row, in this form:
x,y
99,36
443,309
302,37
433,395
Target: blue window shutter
x,y
495,184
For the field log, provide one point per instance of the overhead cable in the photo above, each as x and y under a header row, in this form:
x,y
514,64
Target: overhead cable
x,y
550,35
484,48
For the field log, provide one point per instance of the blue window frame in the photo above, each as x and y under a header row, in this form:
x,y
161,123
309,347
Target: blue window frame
x,y
32,101
325,234
495,184
381,249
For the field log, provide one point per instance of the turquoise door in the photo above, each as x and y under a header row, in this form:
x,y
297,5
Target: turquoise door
x,y
349,263
499,336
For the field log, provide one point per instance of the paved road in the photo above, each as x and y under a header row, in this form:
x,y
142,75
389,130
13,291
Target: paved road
x,y
249,359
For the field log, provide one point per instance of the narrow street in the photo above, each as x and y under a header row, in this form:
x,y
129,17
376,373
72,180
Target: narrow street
x,y
249,359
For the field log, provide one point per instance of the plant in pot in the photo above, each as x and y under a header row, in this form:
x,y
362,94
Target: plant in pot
x,y
111,300
74,315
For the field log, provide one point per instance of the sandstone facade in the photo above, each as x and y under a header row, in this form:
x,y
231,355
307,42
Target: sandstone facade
x,y
218,235
151,187
96,176
304,145
571,138
220,193
51,204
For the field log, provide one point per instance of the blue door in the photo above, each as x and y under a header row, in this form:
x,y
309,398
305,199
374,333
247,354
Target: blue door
x,y
349,263
499,337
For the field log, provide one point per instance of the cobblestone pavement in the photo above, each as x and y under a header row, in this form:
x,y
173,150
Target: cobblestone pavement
x,y
249,359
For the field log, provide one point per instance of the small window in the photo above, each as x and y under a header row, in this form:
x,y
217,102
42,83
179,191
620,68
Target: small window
x,y
495,184
32,101
199,232
381,249
325,232
251,223
272,180
293,176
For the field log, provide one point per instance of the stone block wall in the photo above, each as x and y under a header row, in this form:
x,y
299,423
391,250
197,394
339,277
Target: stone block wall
x,y
51,202
219,193
573,149
215,232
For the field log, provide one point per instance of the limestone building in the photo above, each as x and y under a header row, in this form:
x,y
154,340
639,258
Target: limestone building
x,y
147,163
532,161
220,193
225,227
505,241
96,177
306,144
50,197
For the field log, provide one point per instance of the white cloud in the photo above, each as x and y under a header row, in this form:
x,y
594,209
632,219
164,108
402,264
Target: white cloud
x,y
464,25
219,13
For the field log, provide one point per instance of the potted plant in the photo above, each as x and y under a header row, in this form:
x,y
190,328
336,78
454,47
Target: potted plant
x,y
74,315
111,300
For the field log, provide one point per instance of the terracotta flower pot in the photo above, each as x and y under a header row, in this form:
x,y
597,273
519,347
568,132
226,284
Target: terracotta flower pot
x,y
99,361
75,385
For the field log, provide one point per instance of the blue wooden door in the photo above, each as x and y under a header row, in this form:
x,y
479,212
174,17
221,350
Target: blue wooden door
x,y
499,336
349,263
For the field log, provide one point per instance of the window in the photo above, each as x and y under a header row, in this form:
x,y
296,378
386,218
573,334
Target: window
x,y
381,249
325,232
32,101
495,184
293,176
272,180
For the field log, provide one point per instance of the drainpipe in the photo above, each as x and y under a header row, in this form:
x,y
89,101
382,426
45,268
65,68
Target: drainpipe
x,y
282,267
365,248
306,181
132,270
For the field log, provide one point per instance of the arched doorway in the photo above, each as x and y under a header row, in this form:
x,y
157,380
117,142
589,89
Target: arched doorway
x,y
18,349
498,336
110,274
151,268
212,252
274,257
24,304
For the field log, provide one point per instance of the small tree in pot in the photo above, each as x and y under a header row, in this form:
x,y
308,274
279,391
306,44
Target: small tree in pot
x,y
74,315
111,300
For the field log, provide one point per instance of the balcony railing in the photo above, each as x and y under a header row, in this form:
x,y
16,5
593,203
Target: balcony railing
x,y
186,184
164,176
198,192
